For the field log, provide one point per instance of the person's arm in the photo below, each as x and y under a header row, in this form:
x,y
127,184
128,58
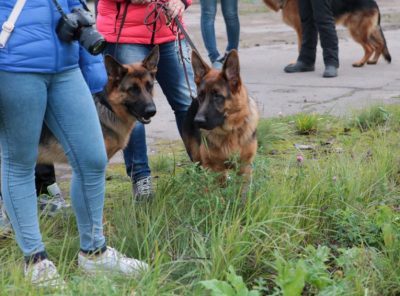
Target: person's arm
x,y
93,70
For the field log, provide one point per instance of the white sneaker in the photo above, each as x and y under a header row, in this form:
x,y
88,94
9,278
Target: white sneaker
x,y
113,261
44,274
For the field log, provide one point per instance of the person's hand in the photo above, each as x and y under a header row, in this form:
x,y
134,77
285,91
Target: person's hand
x,y
175,8
140,1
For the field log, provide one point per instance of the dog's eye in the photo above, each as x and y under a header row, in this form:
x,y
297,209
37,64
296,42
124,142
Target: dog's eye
x,y
134,89
218,99
149,86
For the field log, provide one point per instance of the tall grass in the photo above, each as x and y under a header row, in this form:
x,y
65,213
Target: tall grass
x,y
328,225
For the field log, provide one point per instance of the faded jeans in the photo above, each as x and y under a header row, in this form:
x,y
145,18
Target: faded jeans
x,y
64,102
231,17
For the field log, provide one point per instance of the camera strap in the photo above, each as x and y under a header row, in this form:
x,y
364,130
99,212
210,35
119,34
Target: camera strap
x,y
9,24
62,12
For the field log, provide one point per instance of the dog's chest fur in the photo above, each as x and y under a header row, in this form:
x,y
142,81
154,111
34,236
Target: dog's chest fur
x,y
234,138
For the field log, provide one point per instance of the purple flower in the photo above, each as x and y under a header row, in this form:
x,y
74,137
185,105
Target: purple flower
x,y
300,158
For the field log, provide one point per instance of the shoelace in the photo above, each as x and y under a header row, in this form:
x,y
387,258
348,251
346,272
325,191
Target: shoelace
x,y
45,268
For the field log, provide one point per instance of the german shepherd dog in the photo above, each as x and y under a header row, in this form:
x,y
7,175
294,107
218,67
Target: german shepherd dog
x,y
361,17
128,97
221,122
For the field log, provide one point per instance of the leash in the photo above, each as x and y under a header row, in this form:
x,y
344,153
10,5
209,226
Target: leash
x,y
152,21
160,7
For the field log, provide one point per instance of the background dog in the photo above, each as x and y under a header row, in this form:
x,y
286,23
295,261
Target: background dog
x,y
221,123
361,17
128,97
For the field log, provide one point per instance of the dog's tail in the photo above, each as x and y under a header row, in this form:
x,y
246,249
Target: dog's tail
x,y
385,52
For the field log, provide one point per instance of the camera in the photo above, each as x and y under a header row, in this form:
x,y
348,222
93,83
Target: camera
x,y
79,25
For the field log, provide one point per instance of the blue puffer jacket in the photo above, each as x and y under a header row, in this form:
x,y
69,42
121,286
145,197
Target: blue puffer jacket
x,y
93,70
33,45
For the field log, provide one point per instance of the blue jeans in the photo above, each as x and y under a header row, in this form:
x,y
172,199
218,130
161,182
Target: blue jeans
x,y
64,102
230,13
171,77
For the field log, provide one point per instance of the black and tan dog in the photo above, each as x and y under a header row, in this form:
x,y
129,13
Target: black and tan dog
x,y
128,97
361,17
222,121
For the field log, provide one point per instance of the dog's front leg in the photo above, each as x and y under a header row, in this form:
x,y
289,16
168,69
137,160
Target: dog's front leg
x,y
245,171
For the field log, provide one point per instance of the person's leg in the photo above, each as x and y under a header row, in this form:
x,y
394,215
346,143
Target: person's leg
x,y
175,86
135,154
325,24
22,109
207,24
231,17
72,117
310,35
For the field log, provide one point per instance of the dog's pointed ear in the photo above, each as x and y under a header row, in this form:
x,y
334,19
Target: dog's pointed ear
x,y
200,68
115,70
151,61
231,70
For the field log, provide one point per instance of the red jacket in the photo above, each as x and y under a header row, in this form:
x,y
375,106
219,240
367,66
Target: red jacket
x,y
134,30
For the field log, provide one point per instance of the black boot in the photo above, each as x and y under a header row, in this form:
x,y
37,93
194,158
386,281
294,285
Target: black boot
x,y
299,66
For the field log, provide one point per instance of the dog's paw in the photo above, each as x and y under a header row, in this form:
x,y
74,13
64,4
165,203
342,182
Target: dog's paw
x,y
358,65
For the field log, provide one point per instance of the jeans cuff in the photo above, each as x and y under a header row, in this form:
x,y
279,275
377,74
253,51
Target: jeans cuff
x,y
35,258
96,252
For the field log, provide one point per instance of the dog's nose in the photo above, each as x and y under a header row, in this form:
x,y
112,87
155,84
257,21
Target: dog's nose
x,y
150,111
200,119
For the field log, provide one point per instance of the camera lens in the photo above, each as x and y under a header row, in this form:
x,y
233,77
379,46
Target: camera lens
x,y
98,47
92,40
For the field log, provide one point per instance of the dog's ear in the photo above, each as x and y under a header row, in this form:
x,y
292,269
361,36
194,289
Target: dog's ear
x,y
231,70
151,61
115,70
200,67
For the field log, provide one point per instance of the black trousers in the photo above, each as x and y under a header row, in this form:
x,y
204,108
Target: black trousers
x,y
44,176
317,17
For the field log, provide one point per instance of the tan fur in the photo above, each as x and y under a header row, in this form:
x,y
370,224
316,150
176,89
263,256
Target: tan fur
x,y
363,27
237,135
117,123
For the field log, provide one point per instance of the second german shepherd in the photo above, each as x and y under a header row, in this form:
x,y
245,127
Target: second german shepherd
x,y
222,122
361,17
128,97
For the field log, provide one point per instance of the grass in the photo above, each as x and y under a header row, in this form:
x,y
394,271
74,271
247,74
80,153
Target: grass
x,y
328,225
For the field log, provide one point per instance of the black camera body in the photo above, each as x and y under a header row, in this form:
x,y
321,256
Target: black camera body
x,y
79,25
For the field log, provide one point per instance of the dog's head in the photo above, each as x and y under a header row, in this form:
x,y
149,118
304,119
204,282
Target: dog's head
x,y
218,91
130,87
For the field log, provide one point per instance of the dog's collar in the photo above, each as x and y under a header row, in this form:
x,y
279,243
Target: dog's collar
x,y
101,97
